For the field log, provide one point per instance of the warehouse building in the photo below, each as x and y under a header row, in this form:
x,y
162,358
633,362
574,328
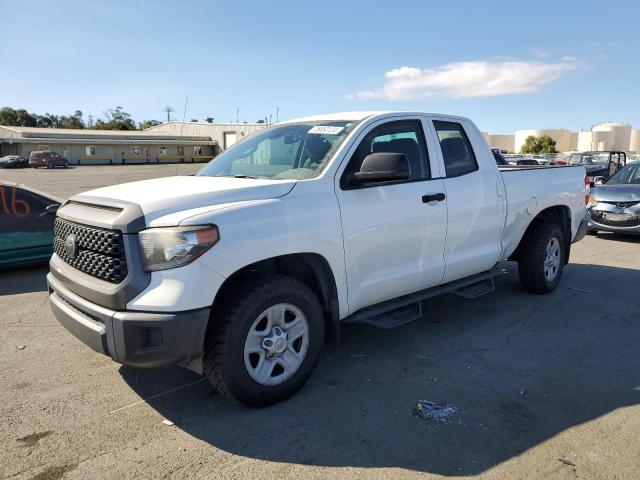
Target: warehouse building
x,y
172,142
224,134
82,147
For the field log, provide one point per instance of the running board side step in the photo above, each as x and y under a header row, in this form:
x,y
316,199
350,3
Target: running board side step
x,y
398,311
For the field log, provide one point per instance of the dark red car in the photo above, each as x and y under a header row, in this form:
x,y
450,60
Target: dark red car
x,y
46,158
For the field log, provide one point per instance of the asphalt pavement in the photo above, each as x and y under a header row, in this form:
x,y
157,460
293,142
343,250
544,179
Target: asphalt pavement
x,y
544,386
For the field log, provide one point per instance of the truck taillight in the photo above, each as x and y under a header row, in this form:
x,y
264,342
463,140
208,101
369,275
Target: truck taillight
x,y
587,189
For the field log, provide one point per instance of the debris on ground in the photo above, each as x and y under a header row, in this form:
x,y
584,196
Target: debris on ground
x,y
566,461
581,290
167,422
21,347
433,411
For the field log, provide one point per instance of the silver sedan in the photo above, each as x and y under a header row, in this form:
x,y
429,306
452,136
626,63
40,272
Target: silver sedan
x,y
614,205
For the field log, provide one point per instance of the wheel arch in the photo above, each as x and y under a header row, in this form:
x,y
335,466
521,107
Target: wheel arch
x,y
310,268
558,214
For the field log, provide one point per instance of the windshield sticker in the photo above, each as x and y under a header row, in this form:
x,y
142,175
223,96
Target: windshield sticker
x,y
326,130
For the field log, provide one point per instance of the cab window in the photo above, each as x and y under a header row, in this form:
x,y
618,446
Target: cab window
x,y
404,137
457,153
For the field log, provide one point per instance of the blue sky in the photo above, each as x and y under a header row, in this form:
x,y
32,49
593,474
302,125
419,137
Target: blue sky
x,y
506,64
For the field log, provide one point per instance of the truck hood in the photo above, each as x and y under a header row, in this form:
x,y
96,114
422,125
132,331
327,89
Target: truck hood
x,y
162,196
616,193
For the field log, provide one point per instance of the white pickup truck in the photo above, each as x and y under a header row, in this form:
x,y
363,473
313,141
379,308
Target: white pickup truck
x,y
242,270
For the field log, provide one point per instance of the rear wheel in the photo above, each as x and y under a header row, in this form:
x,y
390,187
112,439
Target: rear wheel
x,y
542,258
65,164
50,164
265,342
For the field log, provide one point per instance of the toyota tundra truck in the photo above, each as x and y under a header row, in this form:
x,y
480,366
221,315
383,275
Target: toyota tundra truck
x,y
242,271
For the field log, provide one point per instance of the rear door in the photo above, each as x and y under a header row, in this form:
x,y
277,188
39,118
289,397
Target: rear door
x,y
393,240
475,198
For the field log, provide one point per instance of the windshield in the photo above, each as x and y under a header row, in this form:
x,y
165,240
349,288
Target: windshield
x,y
627,175
293,151
589,159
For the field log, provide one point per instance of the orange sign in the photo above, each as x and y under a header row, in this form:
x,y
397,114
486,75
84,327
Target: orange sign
x,y
16,207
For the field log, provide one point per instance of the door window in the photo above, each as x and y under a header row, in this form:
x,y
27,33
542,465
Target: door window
x,y
404,137
457,152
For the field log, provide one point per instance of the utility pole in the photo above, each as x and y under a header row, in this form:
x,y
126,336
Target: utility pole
x,y
168,109
237,114
277,113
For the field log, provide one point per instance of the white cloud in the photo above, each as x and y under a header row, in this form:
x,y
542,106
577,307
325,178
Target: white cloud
x,y
468,79
538,53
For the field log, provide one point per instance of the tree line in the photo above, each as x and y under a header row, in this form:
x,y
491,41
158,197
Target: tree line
x,y
114,119
542,144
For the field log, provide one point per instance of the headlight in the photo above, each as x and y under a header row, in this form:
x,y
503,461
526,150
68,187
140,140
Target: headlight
x,y
592,201
172,247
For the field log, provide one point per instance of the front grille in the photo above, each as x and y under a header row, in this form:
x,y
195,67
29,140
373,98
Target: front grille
x,y
621,203
597,217
99,253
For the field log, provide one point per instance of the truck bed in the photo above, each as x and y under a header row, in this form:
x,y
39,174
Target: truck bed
x,y
535,188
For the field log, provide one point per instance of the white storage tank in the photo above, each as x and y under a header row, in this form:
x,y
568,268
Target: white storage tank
x,y
585,141
634,143
601,140
620,134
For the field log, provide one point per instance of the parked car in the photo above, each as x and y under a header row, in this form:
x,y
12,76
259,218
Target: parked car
x,y
599,164
527,162
14,161
46,158
26,225
631,158
242,270
614,204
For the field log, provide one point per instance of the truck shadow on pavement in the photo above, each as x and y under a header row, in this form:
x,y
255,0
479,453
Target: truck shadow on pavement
x,y
24,280
520,369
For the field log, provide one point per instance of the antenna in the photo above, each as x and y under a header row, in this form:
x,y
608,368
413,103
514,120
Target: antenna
x,y
168,109
184,115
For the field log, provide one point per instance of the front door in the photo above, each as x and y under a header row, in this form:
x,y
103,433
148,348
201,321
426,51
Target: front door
x,y
393,239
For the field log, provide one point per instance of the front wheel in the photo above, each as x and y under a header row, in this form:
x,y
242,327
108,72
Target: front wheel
x,y
50,164
542,258
266,341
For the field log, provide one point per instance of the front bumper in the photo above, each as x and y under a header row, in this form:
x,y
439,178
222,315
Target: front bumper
x,y
595,226
141,339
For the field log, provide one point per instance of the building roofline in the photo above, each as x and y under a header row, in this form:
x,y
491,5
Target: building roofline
x,y
215,124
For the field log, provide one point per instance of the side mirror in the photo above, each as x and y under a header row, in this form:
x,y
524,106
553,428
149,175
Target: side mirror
x,y
381,167
599,180
52,209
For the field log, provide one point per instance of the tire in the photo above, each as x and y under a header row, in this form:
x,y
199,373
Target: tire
x,y
65,164
592,232
538,274
50,164
233,371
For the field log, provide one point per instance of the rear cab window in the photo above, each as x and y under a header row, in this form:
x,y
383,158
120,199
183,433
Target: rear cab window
x,y
457,152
